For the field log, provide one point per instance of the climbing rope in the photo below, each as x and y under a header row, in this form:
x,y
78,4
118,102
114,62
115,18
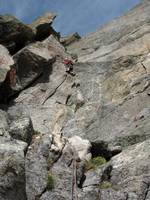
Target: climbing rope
x,y
74,179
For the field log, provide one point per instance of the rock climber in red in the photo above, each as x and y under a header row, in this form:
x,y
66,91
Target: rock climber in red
x,y
69,65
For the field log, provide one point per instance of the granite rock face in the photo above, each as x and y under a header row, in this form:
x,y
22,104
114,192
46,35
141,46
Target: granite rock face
x,y
130,171
115,88
14,135
120,37
55,127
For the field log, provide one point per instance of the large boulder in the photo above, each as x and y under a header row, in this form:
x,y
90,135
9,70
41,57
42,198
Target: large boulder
x,y
14,34
83,147
20,124
51,86
31,62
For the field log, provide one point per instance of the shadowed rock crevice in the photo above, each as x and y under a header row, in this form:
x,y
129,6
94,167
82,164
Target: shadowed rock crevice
x,y
43,31
101,148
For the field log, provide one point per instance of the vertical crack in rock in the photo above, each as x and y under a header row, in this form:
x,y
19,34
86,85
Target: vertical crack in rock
x,y
48,95
146,191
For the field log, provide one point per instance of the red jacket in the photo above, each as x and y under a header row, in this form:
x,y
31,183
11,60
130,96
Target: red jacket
x,y
67,62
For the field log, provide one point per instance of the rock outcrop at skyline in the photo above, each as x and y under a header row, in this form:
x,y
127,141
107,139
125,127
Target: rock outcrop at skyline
x,y
70,39
42,26
84,137
15,35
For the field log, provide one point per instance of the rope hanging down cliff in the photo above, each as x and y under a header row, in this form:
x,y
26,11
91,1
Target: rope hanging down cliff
x,y
74,178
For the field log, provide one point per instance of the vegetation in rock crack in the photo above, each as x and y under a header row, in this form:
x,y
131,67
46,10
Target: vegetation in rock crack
x,y
105,185
95,162
37,133
50,181
50,162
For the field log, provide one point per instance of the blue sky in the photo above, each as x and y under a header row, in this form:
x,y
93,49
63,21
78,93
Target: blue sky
x,y
81,16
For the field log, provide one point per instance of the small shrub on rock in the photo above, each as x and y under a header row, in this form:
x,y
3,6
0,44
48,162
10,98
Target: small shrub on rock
x,y
50,182
36,133
99,161
95,162
105,185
